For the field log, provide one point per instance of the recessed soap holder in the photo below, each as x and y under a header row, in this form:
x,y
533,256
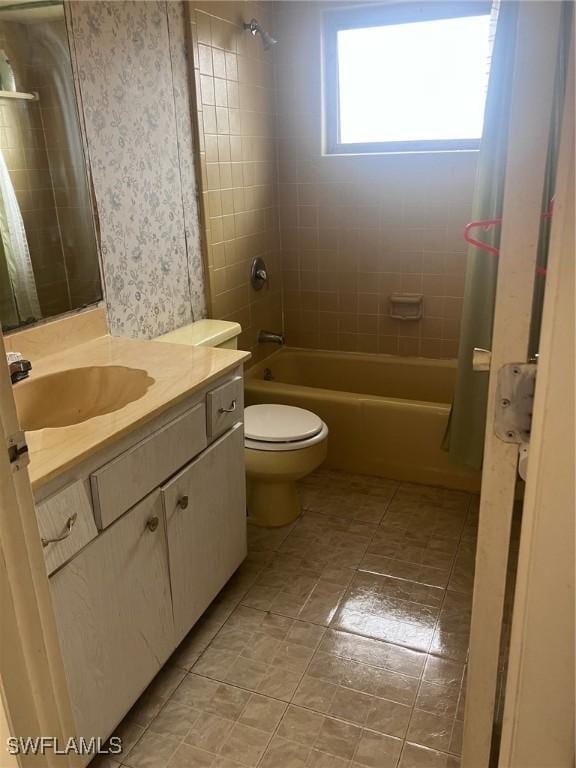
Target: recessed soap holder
x,y
406,306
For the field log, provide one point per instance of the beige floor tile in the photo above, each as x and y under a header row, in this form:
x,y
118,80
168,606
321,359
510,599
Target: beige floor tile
x,y
209,732
373,652
377,751
266,539
263,713
353,497
146,709
330,541
156,695
283,753
300,725
212,723
364,678
187,756
426,495
421,525
418,544
452,634
430,730
402,589
104,761
295,587
437,699
129,734
462,576
414,756
196,692
457,737
400,569
388,717
338,738
175,719
307,740
367,609
244,744
450,645
195,642
366,595
261,652
153,750
443,671
353,706
382,628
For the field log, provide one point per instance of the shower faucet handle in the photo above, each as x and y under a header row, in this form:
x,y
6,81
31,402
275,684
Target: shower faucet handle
x,y
19,367
258,273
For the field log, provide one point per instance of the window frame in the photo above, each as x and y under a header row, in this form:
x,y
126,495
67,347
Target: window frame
x,y
335,21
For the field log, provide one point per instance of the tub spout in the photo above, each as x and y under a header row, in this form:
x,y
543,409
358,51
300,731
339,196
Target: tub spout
x,y
270,337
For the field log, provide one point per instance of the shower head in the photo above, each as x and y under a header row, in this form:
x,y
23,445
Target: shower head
x,y
254,28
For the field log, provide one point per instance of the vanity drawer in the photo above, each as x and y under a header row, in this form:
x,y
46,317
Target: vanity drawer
x,y
119,485
224,407
66,524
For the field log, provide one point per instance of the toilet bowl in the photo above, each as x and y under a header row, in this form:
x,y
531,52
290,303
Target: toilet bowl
x,y
282,444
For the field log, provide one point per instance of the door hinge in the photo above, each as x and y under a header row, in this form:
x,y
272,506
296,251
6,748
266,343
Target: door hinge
x,y
514,402
18,451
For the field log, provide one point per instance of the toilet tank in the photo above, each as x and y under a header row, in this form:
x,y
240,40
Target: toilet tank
x,y
205,333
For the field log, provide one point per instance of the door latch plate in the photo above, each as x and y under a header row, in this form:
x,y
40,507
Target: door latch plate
x,y
18,451
514,402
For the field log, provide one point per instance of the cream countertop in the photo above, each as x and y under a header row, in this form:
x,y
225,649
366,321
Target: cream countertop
x,y
177,370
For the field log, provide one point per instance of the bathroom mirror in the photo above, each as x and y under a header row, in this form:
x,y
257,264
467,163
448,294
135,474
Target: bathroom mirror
x,y
48,250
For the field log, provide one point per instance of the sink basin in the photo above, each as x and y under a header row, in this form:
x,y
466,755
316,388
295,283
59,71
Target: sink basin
x,y
77,394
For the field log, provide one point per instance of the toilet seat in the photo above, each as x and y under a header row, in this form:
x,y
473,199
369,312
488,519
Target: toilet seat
x,y
273,427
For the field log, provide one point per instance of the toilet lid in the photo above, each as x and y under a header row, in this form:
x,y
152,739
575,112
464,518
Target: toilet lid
x,y
280,423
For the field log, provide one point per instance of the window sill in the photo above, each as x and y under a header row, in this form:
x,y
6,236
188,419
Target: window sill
x,y
387,153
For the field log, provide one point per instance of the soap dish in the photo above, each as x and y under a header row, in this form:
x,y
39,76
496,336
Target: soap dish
x,y
406,306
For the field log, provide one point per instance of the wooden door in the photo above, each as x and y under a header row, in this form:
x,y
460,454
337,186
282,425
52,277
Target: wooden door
x,y
114,616
206,521
530,116
538,725
32,680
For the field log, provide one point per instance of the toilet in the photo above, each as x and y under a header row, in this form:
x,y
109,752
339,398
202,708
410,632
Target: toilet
x,y
282,443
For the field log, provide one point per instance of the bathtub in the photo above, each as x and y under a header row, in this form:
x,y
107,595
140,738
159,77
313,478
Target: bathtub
x,y
387,415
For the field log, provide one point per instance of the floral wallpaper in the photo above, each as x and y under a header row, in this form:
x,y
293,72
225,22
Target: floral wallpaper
x,y
180,75
130,61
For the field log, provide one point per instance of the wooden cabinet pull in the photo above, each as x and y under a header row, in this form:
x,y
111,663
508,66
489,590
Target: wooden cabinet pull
x,y
152,523
183,502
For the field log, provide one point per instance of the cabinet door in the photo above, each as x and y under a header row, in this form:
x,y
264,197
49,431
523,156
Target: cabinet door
x,y
114,616
206,521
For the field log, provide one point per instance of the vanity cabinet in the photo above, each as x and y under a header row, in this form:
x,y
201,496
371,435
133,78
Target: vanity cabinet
x,y
114,616
163,529
206,525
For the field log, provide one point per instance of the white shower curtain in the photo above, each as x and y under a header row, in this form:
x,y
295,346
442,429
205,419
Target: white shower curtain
x,y
16,251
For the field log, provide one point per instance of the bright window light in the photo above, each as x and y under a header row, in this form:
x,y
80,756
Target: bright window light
x,y
424,81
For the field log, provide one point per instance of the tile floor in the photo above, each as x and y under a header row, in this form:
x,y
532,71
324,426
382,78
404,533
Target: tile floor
x,y
341,641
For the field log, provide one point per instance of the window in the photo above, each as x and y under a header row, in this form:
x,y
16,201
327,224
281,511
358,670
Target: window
x,y
407,77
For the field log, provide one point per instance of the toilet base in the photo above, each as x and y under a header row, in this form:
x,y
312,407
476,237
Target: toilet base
x,y
272,505
272,494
